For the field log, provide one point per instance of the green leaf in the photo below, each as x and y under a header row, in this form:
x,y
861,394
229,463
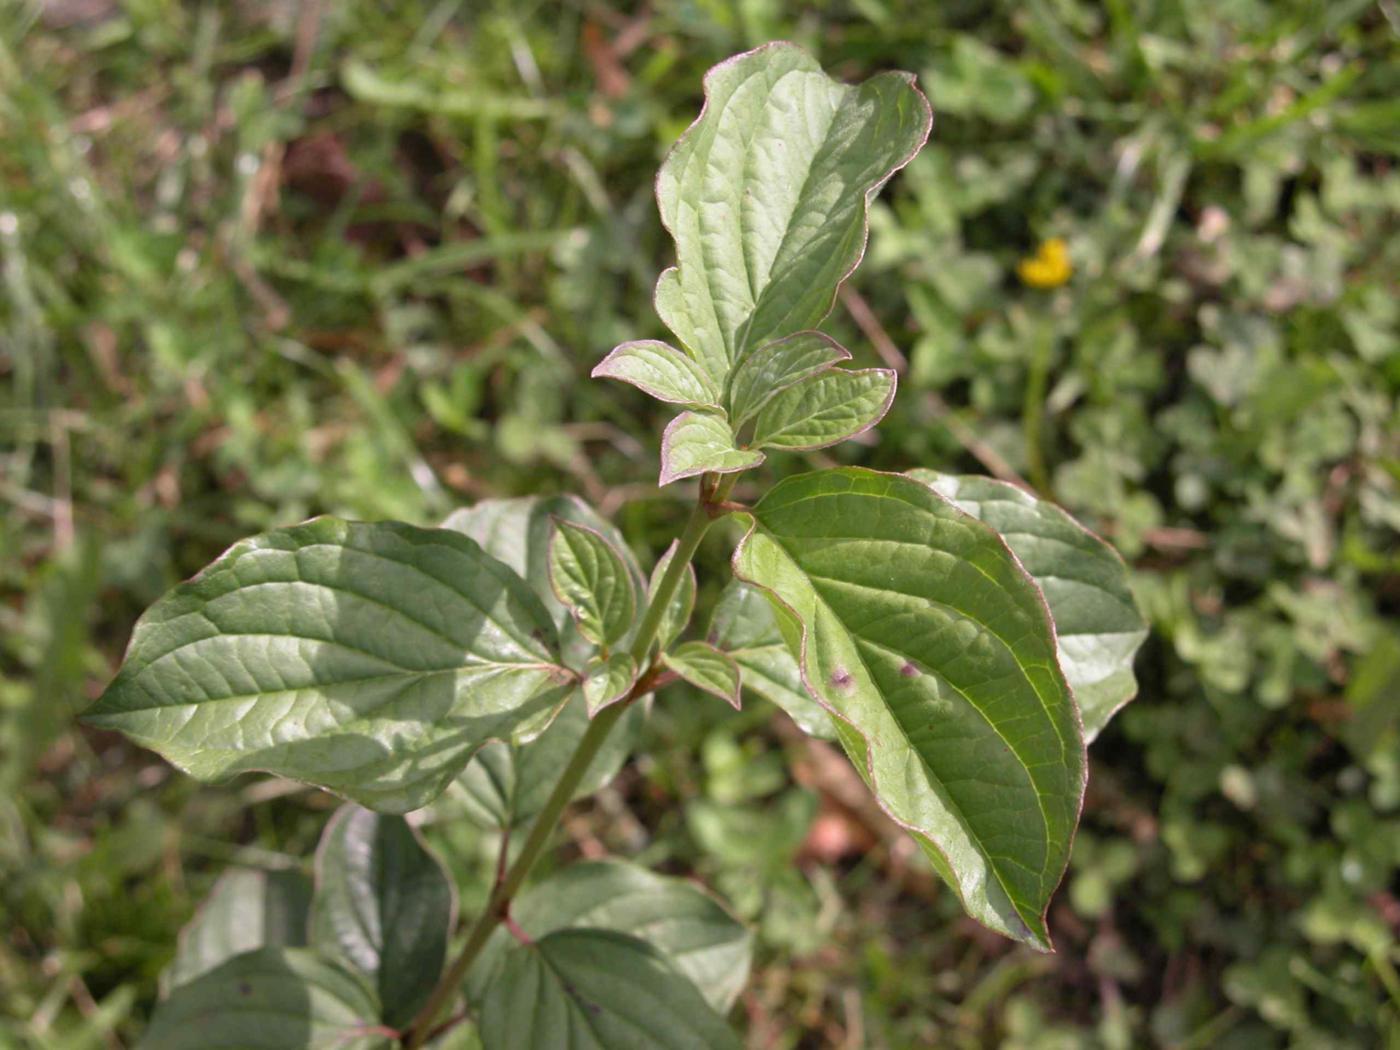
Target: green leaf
x,y
933,650
825,408
593,582
505,785
705,667
270,999
745,625
661,371
686,924
774,367
370,660
383,906
1097,625
247,909
766,196
586,989
682,603
695,443
608,680
518,532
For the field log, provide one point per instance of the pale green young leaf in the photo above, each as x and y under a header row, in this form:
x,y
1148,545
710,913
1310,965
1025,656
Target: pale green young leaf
x,y
706,668
745,625
686,924
589,989
505,785
591,579
696,443
661,371
825,408
774,367
606,680
371,660
682,603
383,907
518,532
934,652
270,999
1098,628
247,909
766,196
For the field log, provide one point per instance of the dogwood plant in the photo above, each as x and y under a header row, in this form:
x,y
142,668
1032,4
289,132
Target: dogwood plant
x,y
960,638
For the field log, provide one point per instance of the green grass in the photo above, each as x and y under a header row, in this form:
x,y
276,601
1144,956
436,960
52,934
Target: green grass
x,y
259,262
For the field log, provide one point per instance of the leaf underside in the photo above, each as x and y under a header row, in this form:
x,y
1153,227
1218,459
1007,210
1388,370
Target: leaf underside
x,y
383,906
745,626
933,650
371,660
247,909
1097,625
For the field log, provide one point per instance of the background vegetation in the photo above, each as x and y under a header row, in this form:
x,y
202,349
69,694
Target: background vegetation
x,y
260,261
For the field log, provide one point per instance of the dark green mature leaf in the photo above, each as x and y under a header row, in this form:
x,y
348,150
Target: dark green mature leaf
x,y
661,371
247,909
383,906
745,625
606,680
933,650
686,924
766,196
270,999
591,579
705,667
825,408
585,989
1098,628
698,442
773,368
371,660
505,785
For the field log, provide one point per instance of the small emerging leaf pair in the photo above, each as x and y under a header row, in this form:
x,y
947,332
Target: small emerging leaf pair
x,y
590,578
766,196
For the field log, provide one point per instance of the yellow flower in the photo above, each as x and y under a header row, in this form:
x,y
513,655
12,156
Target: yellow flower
x,y
1049,267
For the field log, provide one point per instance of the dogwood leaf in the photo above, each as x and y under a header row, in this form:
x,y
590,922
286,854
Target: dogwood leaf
x,y
745,625
825,408
706,668
766,196
383,906
589,989
681,920
933,651
247,909
518,532
774,367
606,680
270,999
697,442
661,371
591,579
1098,628
371,660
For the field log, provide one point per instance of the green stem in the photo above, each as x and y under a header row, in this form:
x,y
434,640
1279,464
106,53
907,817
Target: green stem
x,y
1033,408
498,904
